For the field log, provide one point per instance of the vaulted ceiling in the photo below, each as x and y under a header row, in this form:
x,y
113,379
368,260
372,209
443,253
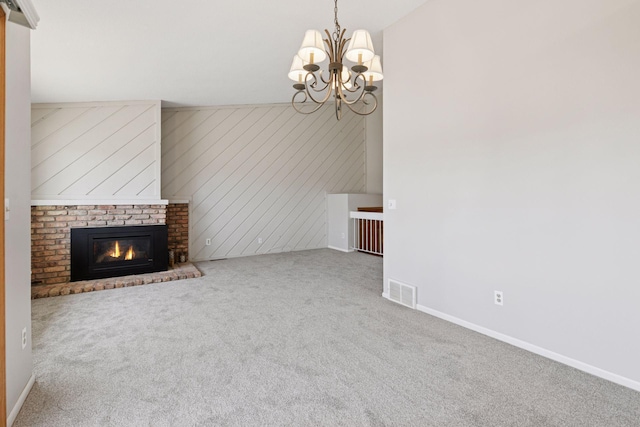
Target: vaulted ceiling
x,y
188,52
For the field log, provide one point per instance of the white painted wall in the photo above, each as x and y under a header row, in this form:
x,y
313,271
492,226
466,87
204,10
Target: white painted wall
x,y
340,227
513,154
17,228
259,172
99,151
146,57
374,132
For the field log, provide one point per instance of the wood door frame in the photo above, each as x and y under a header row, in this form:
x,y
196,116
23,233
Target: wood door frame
x,y
3,350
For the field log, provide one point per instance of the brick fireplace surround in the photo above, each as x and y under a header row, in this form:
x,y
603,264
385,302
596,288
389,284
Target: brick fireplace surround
x,y
51,225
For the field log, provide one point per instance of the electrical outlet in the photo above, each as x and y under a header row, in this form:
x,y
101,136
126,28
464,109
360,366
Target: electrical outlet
x,y
207,242
498,298
24,338
342,235
259,240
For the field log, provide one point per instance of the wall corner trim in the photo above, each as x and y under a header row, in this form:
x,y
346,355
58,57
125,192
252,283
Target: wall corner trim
x,y
601,373
23,396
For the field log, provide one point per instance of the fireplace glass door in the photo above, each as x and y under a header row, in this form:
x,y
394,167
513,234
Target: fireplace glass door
x,y
129,250
117,251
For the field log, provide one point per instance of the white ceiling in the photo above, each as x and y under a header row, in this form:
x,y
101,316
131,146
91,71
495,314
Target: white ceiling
x,y
188,52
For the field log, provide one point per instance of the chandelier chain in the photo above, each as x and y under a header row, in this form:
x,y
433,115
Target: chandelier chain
x,y
336,33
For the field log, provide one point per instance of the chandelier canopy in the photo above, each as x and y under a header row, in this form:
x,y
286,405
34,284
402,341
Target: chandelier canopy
x,y
352,86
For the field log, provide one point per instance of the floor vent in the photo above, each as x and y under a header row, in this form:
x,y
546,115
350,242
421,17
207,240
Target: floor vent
x,y
402,294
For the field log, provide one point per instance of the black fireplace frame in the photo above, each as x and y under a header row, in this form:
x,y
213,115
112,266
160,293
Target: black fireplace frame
x,y
83,267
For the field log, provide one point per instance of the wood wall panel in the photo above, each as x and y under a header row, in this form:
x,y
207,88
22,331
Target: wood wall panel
x,y
259,172
90,151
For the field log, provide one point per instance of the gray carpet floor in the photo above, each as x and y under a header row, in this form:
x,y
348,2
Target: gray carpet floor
x,y
295,339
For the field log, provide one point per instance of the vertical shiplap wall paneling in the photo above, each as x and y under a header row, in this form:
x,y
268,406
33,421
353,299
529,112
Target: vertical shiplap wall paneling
x,y
259,172
96,151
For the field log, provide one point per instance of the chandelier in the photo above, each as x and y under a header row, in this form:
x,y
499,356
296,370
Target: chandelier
x,y
352,86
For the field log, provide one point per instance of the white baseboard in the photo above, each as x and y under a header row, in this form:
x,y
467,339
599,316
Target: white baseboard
x,y
618,379
23,396
385,295
339,249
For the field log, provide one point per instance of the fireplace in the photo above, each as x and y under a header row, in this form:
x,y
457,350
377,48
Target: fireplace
x,y
101,252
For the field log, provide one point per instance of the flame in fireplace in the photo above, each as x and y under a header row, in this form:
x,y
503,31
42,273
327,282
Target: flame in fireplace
x,y
116,251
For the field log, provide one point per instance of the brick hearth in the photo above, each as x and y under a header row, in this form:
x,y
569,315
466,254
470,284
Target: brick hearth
x,y
178,272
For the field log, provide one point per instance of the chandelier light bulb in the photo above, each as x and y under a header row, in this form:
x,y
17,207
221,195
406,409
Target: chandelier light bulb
x,y
312,48
374,70
297,71
360,48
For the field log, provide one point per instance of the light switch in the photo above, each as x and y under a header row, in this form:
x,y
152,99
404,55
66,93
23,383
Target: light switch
x,y
391,204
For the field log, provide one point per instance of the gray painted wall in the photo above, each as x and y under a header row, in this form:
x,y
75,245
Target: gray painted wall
x,y
17,228
513,151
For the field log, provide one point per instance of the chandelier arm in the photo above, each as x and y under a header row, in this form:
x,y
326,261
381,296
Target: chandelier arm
x,y
344,88
338,107
327,95
354,89
313,87
375,104
326,82
356,100
343,43
295,105
359,76
330,49
356,86
361,98
314,84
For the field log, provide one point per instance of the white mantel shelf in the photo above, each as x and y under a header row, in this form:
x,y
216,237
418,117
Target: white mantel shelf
x,y
84,202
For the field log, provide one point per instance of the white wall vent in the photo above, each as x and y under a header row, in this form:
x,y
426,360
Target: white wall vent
x,y
402,293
